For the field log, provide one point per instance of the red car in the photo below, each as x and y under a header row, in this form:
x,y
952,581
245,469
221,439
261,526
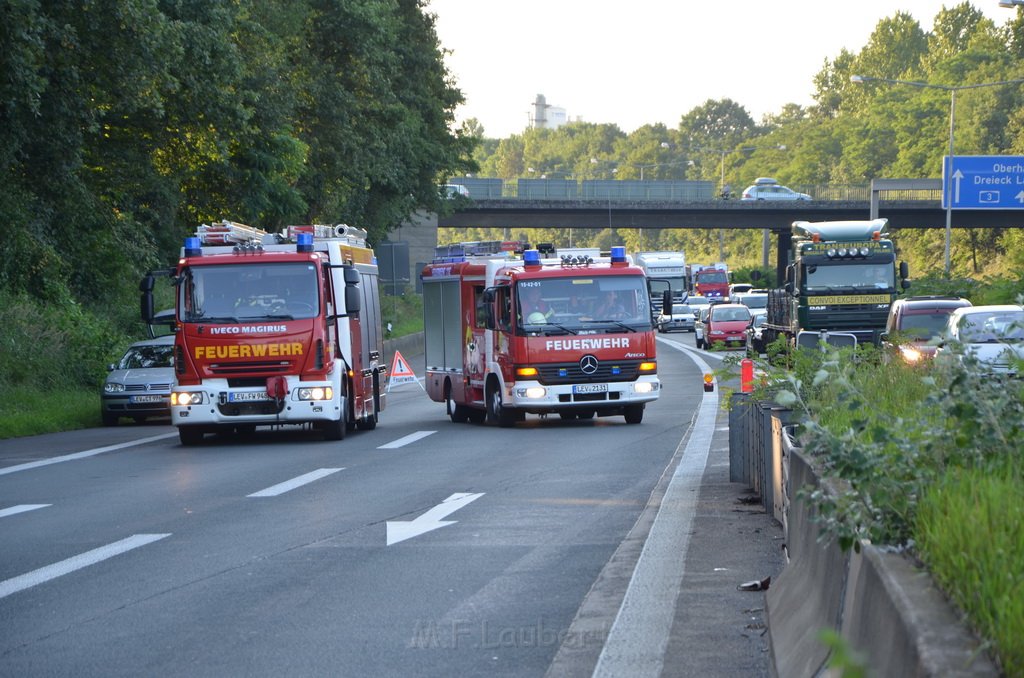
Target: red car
x,y
726,323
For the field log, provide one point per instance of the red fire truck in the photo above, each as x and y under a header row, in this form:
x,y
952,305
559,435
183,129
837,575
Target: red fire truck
x,y
274,329
711,282
508,333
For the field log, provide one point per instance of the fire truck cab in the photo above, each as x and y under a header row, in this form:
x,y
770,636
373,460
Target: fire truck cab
x,y
507,333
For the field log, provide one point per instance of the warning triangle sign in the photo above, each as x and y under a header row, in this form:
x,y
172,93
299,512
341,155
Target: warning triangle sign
x,y
400,372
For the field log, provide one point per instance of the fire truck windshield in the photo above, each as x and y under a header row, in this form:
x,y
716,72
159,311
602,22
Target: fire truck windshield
x,y
715,276
571,304
234,293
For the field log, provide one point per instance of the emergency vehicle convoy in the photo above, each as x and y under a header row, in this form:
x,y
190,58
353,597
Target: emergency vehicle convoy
x,y
841,279
274,329
508,333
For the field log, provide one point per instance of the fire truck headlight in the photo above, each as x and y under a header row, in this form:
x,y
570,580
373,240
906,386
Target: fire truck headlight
x,y
316,393
111,387
532,392
643,387
183,399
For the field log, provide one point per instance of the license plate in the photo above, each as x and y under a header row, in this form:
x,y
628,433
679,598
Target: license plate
x,y
248,396
147,399
590,388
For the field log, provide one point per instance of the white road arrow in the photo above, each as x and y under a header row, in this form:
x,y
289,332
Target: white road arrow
x,y
400,530
957,175
1020,197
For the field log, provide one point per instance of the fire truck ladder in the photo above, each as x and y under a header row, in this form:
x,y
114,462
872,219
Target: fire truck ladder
x,y
229,233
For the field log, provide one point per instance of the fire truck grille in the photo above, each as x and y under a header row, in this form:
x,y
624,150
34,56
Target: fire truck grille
x,y
607,371
264,366
243,409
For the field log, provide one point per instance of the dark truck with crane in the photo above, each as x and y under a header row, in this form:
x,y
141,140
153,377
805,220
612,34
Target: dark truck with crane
x,y
839,284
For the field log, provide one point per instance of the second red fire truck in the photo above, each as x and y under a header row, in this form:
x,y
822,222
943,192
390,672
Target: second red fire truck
x,y
509,333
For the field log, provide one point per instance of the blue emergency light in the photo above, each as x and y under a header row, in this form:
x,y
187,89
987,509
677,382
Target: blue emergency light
x,y
304,242
531,258
618,254
192,247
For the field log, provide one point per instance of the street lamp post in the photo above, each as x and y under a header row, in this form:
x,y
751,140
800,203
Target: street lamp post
x,y
948,184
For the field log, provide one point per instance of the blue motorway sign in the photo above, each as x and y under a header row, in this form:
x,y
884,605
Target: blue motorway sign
x,y
983,182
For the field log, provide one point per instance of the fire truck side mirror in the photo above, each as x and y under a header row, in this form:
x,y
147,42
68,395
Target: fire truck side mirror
x,y
904,270
351,275
353,299
146,300
666,302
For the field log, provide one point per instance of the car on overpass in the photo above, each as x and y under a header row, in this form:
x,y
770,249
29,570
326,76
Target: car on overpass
x,y
766,188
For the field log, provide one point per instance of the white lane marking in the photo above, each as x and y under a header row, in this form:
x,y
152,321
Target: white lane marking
x,y
638,637
287,485
401,442
694,351
21,508
400,530
82,455
45,574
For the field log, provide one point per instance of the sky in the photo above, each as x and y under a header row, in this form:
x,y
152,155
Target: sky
x,y
638,62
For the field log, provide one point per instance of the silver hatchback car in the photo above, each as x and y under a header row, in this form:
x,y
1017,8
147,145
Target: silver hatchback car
x,y
139,385
766,188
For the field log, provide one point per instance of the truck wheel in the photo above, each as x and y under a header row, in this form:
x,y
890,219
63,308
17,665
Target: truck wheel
x,y
496,412
634,413
369,422
335,430
190,435
458,413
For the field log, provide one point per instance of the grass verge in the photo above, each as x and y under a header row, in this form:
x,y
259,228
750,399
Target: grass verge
x,y
28,412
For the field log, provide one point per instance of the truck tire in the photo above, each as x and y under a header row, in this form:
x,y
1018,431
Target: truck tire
x,y
190,435
634,414
368,423
335,430
496,412
458,413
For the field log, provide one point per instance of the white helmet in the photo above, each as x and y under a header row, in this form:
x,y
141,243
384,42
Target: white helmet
x,y
537,318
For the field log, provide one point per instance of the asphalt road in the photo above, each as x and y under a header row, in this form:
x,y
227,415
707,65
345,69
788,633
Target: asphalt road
x,y
422,548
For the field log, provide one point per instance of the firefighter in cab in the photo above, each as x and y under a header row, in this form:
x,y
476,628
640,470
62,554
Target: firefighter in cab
x,y
535,310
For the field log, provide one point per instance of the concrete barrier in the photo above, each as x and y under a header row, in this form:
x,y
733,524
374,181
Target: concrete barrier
x,y
883,605
808,596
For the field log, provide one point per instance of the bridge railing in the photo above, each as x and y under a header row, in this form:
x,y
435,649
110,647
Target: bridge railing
x,y
481,189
